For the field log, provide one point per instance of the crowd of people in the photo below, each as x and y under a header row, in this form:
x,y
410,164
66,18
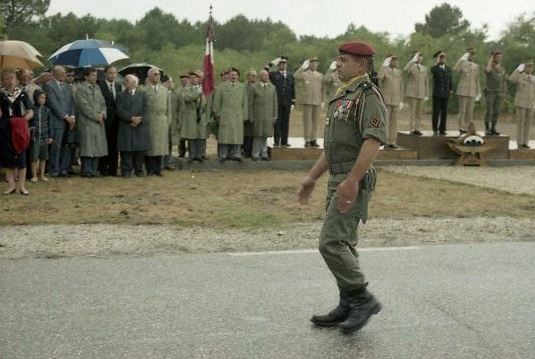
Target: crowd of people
x,y
129,129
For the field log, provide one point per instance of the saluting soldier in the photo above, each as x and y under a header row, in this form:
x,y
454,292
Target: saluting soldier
x,y
263,114
311,98
354,132
417,90
157,101
230,110
495,91
391,82
524,101
468,88
193,119
330,82
442,86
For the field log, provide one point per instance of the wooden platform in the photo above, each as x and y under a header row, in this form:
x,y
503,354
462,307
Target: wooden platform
x,y
432,147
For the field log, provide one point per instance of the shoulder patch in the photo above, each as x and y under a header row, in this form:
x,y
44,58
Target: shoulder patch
x,y
375,122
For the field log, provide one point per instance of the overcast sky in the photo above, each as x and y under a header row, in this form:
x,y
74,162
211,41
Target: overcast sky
x,y
308,17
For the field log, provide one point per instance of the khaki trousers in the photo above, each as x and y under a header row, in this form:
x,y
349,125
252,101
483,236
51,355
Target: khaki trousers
x,y
416,113
391,124
466,111
523,120
311,115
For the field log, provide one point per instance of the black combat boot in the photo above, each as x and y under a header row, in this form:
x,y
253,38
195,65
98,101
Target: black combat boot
x,y
362,304
335,316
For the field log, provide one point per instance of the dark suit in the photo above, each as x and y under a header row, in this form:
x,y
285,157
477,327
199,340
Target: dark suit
x,y
108,164
60,101
285,87
442,86
132,142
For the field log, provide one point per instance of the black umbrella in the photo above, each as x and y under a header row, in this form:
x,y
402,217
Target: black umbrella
x,y
140,70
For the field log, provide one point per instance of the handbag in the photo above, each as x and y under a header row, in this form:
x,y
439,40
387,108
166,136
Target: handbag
x,y
20,134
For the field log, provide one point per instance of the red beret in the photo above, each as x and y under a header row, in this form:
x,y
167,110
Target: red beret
x,y
357,48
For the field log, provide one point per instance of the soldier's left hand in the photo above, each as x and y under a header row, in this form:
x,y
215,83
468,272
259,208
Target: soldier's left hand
x,y
347,193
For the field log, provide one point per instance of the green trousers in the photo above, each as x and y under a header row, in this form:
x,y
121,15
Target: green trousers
x,y
338,239
493,107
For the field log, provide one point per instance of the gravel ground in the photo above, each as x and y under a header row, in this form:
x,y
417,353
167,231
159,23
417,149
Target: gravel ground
x,y
509,179
57,241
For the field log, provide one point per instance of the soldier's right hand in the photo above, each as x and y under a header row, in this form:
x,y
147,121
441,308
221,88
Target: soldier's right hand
x,y
332,66
415,57
386,63
521,68
465,56
305,190
305,64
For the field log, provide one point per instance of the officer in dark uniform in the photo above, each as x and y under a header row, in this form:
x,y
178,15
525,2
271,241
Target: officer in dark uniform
x,y
354,131
285,87
442,86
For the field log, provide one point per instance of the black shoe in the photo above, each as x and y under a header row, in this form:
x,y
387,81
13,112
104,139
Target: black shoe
x,y
525,146
314,144
362,305
442,133
307,144
335,316
286,145
462,131
416,133
494,132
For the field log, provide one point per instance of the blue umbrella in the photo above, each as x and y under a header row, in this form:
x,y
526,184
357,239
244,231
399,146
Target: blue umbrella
x,y
88,52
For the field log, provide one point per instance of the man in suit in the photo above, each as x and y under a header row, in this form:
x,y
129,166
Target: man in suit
x,y
495,91
110,89
442,86
133,138
230,111
285,86
391,82
311,98
60,101
417,90
158,103
468,88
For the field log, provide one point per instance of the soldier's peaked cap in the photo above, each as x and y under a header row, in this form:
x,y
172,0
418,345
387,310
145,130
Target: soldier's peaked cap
x,y
283,59
439,53
357,48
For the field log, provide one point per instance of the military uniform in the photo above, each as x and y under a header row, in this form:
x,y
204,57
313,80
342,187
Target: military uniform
x,y
357,113
194,121
391,83
494,94
417,91
524,104
468,89
311,98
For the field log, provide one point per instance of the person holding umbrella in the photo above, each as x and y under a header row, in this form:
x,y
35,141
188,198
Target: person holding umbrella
x,y
13,103
91,110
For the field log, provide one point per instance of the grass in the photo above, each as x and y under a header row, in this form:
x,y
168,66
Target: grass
x,y
245,200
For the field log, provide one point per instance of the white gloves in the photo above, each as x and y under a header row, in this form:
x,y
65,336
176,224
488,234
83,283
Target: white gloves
x,y
305,64
465,56
401,105
521,68
276,61
292,107
426,98
478,97
322,105
333,66
387,62
415,57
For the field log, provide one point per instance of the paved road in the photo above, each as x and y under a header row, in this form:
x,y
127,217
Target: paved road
x,y
455,301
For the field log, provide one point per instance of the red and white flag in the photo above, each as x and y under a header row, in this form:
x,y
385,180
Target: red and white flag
x,y
208,80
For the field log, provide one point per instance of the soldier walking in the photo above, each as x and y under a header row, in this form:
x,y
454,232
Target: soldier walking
x,y
354,132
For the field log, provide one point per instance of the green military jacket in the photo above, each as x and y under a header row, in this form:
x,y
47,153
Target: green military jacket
x,y
193,114
263,109
354,115
176,104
